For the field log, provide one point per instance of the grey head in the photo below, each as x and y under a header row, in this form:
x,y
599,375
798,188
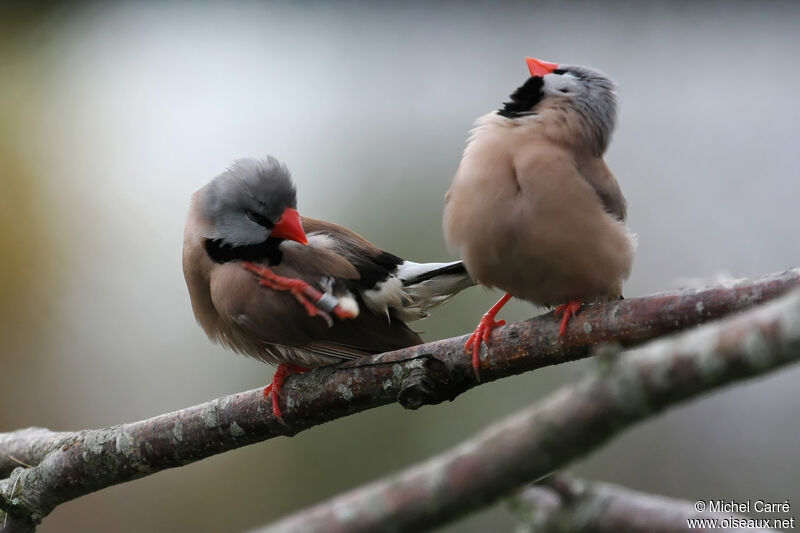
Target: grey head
x,y
582,90
243,203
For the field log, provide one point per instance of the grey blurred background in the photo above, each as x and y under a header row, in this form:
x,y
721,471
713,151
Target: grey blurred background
x,y
111,116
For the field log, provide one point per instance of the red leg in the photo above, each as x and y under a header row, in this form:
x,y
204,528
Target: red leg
x,y
307,295
482,332
569,309
280,283
284,371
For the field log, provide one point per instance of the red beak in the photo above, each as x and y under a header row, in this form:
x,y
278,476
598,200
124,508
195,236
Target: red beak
x,y
289,227
539,67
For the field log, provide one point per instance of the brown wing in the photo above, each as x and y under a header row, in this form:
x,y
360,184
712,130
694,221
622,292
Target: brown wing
x,y
605,185
259,317
373,264
346,237
314,261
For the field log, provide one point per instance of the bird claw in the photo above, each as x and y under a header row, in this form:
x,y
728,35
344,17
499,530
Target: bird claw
x,y
311,309
274,388
569,310
479,336
482,332
326,316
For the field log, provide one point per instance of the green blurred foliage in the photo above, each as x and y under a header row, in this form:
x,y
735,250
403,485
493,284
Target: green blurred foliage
x,y
27,255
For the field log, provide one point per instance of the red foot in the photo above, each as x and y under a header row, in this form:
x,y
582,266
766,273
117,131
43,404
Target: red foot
x,y
308,296
482,332
284,371
569,309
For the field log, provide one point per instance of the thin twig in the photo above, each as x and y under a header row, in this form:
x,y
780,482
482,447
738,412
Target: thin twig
x,y
19,462
564,504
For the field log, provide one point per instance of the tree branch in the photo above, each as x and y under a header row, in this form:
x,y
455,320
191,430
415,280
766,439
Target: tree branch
x,y
68,465
564,504
26,447
568,424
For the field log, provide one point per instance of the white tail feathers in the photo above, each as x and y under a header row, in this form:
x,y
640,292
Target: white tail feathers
x,y
416,288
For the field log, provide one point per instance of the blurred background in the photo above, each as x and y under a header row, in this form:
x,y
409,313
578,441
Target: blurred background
x,y
111,116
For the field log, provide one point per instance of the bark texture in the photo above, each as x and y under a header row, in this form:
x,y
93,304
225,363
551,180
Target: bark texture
x,y
47,468
565,426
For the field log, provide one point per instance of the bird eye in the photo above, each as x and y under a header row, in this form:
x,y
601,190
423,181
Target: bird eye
x,y
260,219
559,71
564,90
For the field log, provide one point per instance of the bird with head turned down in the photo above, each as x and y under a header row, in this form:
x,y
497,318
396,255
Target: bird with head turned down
x,y
295,291
533,208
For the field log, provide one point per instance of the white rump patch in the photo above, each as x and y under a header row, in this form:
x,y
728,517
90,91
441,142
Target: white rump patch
x,y
386,294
